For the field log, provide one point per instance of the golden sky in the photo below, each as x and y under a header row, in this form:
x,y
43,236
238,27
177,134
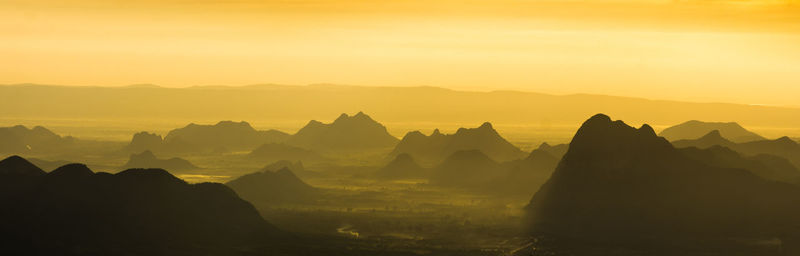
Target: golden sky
x,y
727,51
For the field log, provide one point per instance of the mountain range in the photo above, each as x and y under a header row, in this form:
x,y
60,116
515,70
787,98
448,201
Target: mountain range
x,y
346,134
783,147
694,129
20,139
622,185
436,147
225,136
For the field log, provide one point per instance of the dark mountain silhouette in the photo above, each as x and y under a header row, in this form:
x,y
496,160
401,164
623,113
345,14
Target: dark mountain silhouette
x,y
782,147
402,167
434,148
357,133
47,164
625,185
525,176
19,139
272,152
74,211
224,136
147,159
267,187
694,129
18,166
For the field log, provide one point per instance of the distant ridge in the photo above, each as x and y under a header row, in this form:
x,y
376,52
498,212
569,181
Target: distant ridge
x,y
20,139
694,129
782,147
224,136
436,147
357,133
147,159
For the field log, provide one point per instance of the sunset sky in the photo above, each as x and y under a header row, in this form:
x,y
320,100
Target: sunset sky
x,y
726,51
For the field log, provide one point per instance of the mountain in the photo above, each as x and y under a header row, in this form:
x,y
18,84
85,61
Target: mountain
x,y
694,129
402,167
20,139
557,151
622,185
18,166
47,164
225,136
465,169
147,159
75,211
272,152
268,187
357,133
436,147
782,147
766,166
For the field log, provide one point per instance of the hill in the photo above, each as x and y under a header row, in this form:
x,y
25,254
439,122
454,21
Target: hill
x,y
346,134
147,159
436,147
622,185
268,187
73,210
402,167
694,129
20,139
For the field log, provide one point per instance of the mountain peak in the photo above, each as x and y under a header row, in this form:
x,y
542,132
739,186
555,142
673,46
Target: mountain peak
x,y
436,132
486,125
715,134
17,165
72,171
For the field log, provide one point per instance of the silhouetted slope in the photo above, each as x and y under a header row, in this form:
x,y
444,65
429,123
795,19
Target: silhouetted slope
x,y
147,159
145,141
402,167
622,184
267,187
20,139
694,129
73,210
765,166
357,133
272,152
434,148
525,176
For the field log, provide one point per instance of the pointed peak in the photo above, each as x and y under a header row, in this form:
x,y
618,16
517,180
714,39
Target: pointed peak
x,y
19,165
343,116
544,145
786,139
436,132
713,134
647,129
486,125
360,114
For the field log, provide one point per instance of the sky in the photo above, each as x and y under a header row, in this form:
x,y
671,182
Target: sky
x,y
712,51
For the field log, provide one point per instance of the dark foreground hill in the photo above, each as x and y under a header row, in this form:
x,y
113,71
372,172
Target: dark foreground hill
x,y
695,129
437,147
74,211
621,185
270,186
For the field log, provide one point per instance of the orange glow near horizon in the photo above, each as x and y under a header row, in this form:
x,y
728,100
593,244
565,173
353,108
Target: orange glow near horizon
x,y
727,51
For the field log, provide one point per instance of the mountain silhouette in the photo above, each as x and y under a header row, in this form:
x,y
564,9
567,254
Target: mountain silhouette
x,y
147,159
267,187
783,147
19,139
402,167
556,151
766,166
272,152
73,210
357,133
694,129
225,136
619,184
18,166
465,169
436,147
